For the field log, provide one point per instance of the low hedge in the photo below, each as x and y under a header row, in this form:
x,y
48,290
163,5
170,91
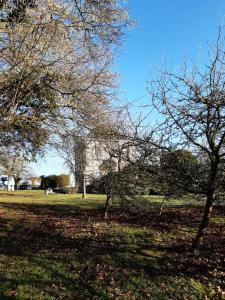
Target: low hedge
x,y
67,190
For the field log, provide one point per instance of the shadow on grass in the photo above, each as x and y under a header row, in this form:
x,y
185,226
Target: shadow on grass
x,y
70,251
16,195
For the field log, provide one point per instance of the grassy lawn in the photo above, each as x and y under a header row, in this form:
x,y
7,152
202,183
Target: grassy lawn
x,y
59,247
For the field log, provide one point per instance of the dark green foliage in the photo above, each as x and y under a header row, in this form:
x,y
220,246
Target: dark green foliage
x,y
42,186
50,181
55,181
130,181
65,190
25,186
178,172
96,187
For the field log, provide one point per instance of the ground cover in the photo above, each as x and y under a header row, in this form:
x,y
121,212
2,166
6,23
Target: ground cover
x,y
59,247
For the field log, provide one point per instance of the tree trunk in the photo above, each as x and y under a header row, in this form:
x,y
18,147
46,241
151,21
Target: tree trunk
x,y
208,207
204,223
106,207
84,188
162,205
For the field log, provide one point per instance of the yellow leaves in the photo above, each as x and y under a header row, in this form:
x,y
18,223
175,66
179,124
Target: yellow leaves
x,y
3,28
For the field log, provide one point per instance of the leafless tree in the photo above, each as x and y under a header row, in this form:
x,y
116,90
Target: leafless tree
x,y
71,142
71,145
129,161
12,163
193,106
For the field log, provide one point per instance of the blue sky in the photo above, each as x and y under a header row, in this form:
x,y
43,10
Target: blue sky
x,y
174,30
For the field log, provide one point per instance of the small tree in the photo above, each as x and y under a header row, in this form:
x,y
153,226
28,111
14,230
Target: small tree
x,y
130,168
193,104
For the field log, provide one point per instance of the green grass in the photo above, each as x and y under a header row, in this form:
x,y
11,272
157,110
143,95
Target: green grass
x,y
39,197
186,200
59,247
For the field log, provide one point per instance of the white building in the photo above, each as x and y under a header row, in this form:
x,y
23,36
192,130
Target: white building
x,y
7,182
11,183
93,155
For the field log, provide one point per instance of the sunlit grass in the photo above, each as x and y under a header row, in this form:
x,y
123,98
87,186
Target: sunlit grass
x,y
59,247
39,197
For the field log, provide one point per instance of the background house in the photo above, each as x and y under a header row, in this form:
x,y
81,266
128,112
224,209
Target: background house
x,y
7,183
92,154
28,183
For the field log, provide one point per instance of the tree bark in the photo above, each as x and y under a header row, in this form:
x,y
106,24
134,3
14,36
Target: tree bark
x,y
106,207
208,208
162,205
204,223
84,188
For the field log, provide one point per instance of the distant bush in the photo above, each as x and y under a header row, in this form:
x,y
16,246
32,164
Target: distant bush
x,y
154,191
25,187
55,181
62,180
97,187
66,190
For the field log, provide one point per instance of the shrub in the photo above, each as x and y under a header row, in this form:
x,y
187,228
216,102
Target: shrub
x,y
66,190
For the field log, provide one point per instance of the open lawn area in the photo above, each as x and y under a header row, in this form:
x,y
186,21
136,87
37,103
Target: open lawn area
x,y
60,247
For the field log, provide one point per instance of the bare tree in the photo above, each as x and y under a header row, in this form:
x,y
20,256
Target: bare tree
x,y
193,104
130,162
71,145
13,164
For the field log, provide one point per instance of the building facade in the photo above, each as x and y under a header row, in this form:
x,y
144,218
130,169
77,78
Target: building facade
x,y
93,157
7,183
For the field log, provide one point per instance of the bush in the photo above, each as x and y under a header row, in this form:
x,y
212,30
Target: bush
x,y
67,190
55,181
154,191
96,187
25,187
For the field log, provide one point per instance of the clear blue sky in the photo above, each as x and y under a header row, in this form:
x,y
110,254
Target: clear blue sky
x,y
172,29
165,28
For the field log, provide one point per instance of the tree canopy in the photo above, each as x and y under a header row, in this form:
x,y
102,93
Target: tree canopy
x,y
55,65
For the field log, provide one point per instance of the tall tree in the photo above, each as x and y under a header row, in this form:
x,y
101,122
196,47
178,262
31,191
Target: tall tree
x,y
54,64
